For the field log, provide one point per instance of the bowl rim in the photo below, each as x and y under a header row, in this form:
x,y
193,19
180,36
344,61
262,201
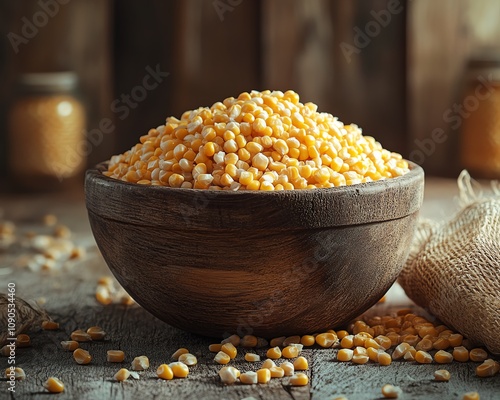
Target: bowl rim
x,y
200,208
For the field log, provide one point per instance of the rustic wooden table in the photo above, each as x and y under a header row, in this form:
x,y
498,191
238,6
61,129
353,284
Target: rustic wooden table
x,y
70,299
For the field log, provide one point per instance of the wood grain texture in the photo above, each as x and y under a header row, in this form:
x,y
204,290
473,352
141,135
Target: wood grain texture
x,y
70,300
248,255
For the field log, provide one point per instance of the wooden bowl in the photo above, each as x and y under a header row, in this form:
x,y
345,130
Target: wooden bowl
x,y
261,263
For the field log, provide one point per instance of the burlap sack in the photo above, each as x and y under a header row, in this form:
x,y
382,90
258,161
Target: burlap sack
x,y
454,267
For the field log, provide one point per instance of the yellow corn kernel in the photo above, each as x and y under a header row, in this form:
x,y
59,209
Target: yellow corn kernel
x,y
115,356
248,341
443,357
287,368
23,340
307,340
290,352
252,357
17,373
249,378
291,340
471,396
441,343
180,370
122,375
179,352
263,375
345,355
442,375
360,358
478,355
391,392
372,354
70,345
488,368
54,385
214,348
299,379
347,342
460,353
96,333
327,339
422,357
400,351
342,334
233,339
188,359
140,363
229,349
82,356
371,343
301,364
384,358
268,363
164,372
229,375
455,339
80,336
50,325
409,356
383,341
273,353
424,344
222,358
103,295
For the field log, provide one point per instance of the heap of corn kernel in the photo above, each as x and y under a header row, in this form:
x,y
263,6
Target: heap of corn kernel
x,y
257,141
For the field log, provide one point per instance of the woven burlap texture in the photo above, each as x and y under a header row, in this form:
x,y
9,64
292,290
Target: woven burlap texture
x,y
453,269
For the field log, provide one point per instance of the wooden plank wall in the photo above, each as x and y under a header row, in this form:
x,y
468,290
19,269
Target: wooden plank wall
x,y
442,36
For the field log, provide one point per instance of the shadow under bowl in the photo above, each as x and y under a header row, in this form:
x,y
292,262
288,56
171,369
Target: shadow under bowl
x,y
250,262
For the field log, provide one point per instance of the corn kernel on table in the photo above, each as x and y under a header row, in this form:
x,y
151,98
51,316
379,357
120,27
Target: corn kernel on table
x,y
69,296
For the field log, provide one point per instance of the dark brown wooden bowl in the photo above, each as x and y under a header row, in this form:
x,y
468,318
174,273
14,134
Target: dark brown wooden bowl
x,y
262,263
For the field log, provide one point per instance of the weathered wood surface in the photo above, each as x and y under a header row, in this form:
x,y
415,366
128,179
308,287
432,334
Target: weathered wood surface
x,y
70,300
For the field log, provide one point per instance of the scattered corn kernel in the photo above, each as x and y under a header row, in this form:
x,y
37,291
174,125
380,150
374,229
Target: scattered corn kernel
x,y
50,325
188,359
274,353
460,353
229,375
268,363
301,364
164,372
122,375
54,385
291,340
229,349
263,375
442,375
360,358
234,339
384,358
80,336
327,339
488,368
307,340
115,356
277,342
222,358
299,379
443,357
345,355
471,396
288,368
391,392
277,372
252,357
17,372
478,355
422,357
180,370
249,378
140,363
214,348
82,356
248,341
290,352
23,340
70,345
96,333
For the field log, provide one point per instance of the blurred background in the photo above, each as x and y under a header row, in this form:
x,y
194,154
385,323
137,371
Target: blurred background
x,y
82,80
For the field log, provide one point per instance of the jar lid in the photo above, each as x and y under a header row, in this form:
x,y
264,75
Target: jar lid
x,y
46,82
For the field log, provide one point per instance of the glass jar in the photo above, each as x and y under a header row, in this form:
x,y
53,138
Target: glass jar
x,y
480,138
46,130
